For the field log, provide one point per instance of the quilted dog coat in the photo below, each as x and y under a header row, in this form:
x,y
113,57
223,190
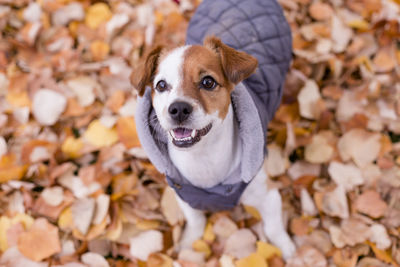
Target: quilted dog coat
x,y
259,28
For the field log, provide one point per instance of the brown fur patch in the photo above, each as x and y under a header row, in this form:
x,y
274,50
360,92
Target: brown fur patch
x,y
226,65
144,75
198,63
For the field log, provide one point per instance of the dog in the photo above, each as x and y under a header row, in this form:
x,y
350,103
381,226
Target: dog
x,y
199,126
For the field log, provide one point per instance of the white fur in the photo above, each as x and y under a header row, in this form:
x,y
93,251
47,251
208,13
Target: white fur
x,y
171,71
214,158
219,151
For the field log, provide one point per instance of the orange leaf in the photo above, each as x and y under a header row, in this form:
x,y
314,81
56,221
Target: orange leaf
x,y
40,241
9,170
127,133
383,255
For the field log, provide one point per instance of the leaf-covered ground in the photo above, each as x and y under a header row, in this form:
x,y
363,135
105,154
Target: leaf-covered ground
x,y
77,190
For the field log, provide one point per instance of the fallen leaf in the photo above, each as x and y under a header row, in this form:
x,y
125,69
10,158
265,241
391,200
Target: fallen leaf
x,y
84,88
82,214
43,237
319,150
240,244
47,106
99,135
308,98
371,204
13,257
159,260
307,203
275,163
10,170
320,11
170,208
72,147
253,260
191,258
379,236
94,260
334,203
360,145
67,13
341,34
347,176
224,227
146,243
384,61
307,256
99,50
203,247
267,251
97,14
127,133
102,206
53,196
350,232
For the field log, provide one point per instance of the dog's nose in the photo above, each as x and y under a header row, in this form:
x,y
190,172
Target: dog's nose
x,y
180,111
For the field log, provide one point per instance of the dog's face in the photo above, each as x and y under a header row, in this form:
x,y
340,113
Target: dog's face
x,y
191,87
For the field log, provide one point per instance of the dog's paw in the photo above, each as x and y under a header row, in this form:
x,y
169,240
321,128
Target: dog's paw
x,y
288,249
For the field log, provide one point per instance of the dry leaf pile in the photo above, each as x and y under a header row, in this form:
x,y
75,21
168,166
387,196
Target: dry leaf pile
x,y
76,189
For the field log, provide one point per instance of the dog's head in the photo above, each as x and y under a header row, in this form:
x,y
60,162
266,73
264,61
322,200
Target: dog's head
x,y
191,87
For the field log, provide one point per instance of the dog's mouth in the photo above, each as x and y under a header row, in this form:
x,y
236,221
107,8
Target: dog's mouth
x,y
185,137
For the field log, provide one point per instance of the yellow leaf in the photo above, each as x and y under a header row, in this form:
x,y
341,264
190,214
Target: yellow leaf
x,y
127,132
159,260
18,99
97,14
360,24
99,50
252,211
383,255
253,260
209,235
72,147
94,231
122,184
147,224
23,218
114,232
65,220
159,18
202,246
5,224
9,170
99,135
267,250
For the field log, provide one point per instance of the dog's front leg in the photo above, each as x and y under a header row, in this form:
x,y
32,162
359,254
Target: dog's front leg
x,y
269,205
195,224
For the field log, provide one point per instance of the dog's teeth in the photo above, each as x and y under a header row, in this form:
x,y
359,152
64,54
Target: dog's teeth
x,y
193,133
172,134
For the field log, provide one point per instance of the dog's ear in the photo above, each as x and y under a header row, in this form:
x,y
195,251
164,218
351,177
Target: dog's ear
x,y
144,75
237,65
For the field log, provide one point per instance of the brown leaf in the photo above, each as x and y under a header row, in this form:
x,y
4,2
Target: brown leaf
x,y
320,11
307,256
127,133
370,203
43,237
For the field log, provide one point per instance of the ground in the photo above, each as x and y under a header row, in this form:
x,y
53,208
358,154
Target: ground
x,y
77,190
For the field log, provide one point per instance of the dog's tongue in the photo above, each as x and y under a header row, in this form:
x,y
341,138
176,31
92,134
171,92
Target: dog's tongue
x,y
182,132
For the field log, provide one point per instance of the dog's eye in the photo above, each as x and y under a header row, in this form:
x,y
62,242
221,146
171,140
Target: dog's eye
x,y
161,86
208,83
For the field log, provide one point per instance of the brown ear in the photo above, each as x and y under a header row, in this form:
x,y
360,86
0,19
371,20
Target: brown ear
x,y
145,75
237,65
